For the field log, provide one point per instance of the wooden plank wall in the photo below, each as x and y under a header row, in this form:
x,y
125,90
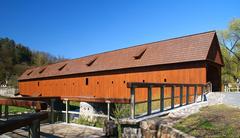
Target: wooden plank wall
x,y
112,85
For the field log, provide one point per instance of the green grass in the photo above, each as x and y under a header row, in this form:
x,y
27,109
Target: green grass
x,y
95,122
142,107
212,121
15,109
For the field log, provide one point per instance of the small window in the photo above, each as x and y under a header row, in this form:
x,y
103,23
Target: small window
x,y
91,62
112,82
124,81
165,80
62,67
86,81
140,54
143,80
98,82
30,73
42,70
38,83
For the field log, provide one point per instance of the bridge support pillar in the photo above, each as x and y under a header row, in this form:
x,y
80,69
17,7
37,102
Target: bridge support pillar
x,y
108,110
52,110
67,108
6,111
0,111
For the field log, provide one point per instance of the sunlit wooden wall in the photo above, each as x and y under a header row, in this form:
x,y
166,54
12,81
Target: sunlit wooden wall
x,y
113,84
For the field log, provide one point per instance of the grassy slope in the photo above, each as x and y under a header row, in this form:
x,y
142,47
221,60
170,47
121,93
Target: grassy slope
x,y
14,109
212,121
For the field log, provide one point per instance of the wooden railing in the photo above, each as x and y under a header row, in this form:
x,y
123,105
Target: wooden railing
x,y
149,86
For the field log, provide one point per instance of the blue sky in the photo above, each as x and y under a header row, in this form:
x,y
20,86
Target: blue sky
x,y
76,28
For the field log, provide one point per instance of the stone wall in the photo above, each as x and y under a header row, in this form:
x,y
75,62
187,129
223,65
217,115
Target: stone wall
x,y
8,91
161,127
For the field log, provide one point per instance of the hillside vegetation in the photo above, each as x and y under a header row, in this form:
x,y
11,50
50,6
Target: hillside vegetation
x,y
15,58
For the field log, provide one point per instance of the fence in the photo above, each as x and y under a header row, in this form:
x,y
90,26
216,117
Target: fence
x,y
231,87
149,86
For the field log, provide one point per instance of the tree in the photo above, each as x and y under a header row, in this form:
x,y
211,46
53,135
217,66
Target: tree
x,y
16,58
230,45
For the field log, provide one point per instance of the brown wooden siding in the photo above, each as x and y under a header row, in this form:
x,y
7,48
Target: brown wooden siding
x,y
114,85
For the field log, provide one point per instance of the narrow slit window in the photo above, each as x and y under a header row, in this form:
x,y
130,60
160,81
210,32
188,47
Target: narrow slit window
x,y
42,70
30,73
91,62
86,81
62,67
140,54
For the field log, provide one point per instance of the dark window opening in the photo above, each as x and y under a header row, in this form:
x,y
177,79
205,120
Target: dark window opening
x,y
124,81
143,80
140,54
30,73
91,62
97,82
165,80
61,68
42,70
86,81
38,83
112,82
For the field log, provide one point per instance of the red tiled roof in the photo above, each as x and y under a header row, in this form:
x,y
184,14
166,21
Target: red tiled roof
x,y
177,50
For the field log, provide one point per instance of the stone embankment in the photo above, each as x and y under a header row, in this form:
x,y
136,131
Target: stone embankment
x,y
161,127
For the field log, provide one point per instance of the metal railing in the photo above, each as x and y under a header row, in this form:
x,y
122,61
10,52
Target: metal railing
x,y
231,87
149,86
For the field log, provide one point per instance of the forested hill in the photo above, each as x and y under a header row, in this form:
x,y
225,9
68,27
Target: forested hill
x,y
16,58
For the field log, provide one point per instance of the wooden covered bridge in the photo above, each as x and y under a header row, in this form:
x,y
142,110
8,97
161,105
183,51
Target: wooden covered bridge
x,y
193,59
177,69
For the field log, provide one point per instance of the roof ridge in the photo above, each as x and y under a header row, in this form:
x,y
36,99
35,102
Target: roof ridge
x,y
131,47
147,43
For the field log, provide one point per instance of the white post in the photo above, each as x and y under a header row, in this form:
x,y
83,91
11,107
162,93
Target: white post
x,y
67,106
108,109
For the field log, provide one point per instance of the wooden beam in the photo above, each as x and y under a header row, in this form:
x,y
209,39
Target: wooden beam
x,y
39,98
187,96
149,104
37,105
96,99
181,95
162,99
21,121
145,85
195,93
132,106
172,97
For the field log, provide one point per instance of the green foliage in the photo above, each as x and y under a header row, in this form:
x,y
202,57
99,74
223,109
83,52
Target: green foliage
x,y
95,122
16,58
230,46
15,109
121,111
